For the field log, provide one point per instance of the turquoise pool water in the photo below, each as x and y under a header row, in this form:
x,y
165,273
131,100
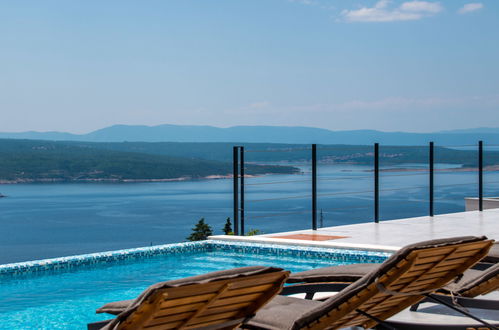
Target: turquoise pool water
x,y
67,299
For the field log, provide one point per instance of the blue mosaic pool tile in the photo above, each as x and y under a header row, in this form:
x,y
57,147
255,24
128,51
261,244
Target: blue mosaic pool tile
x,y
110,257
343,255
72,262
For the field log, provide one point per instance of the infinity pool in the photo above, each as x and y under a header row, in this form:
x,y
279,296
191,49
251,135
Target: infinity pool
x,y
66,296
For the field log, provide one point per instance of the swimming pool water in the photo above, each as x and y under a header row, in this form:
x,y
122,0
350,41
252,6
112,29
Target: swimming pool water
x,y
67,300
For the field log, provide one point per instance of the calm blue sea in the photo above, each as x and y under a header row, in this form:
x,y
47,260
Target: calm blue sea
x,y
50,220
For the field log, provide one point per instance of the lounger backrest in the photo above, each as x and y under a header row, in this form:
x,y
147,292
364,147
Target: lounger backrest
x,y
220,303
398,283
486,282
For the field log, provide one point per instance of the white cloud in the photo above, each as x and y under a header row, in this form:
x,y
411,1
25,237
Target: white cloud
x,y
470,7
382,4
381,12
421,7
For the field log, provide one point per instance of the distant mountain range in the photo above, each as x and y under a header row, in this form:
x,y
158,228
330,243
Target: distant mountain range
x,y
263,134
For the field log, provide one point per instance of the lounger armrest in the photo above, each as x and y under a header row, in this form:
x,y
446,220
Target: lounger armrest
x,y
115,307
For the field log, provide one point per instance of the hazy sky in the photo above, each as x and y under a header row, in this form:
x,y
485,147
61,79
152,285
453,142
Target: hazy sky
x,y
391,65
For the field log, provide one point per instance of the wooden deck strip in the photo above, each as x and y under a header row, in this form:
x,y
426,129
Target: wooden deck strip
x,y
311,237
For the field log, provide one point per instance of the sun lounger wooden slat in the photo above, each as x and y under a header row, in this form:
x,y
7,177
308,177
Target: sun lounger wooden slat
x,y
175,314
185,316
194,307
437,271
201,305
186,300
175,300
217,310
180,309
236,299
449,264
166,326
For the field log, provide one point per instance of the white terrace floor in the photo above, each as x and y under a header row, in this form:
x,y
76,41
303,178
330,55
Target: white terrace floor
x,y
387,235
392,235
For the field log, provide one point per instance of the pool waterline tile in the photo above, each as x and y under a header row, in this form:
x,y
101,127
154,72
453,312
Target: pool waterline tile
x,y
110,257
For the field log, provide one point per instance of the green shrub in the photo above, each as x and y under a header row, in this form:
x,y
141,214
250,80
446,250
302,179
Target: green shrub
x,y
253,232
227,229
200,232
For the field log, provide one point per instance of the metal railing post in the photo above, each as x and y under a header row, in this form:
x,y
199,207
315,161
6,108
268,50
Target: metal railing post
x,y
376,182
241,160
235,190
314,186
431,174
480,175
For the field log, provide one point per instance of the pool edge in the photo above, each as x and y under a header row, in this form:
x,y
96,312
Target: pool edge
x,y
36,267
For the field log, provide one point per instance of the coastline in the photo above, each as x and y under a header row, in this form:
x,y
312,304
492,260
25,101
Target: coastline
x,y
490,168
116,180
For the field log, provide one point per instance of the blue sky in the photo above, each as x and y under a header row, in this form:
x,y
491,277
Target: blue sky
x,y
390,65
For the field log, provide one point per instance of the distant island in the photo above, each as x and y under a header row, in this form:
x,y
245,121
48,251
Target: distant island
x,y
289,154
23,161
29,161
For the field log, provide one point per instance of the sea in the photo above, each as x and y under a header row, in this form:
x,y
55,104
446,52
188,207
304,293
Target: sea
x,y
39,221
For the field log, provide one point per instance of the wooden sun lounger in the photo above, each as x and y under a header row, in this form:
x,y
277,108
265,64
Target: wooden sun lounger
x,y
473,283
465,292
218,300
485,282
403,280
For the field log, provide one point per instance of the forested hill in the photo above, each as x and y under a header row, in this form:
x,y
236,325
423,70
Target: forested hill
x,y
45,161
277,152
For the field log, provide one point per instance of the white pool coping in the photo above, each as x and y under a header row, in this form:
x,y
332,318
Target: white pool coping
x,y
390,235
295,242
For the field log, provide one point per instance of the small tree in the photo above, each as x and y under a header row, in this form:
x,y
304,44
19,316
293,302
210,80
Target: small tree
x,y
227,229
201,231
253,232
